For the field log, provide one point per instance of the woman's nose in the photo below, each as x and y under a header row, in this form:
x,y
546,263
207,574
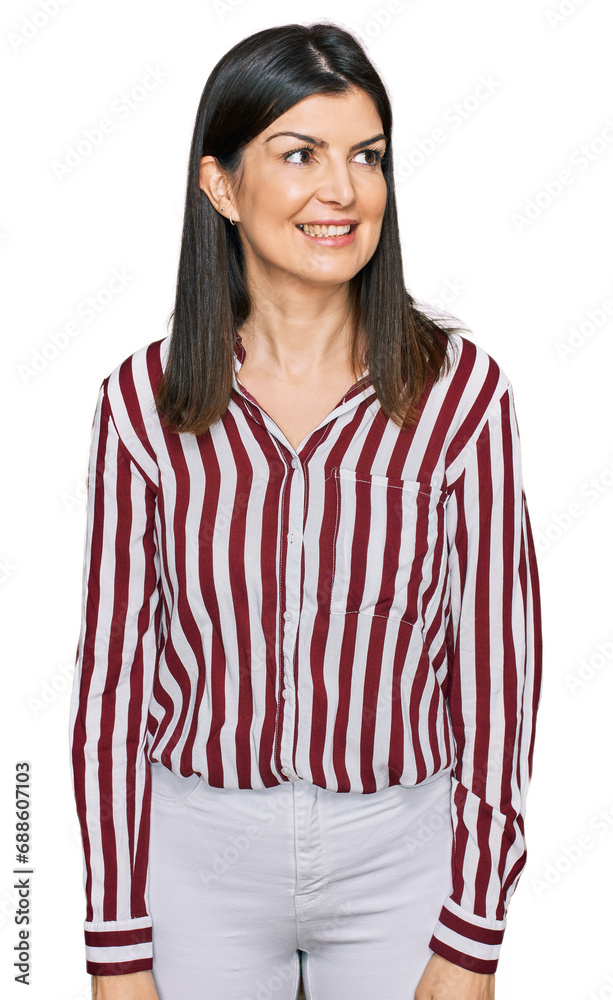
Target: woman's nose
x,y
336,184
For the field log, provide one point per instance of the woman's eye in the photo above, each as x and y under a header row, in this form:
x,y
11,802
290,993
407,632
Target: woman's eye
x,y
375,156
297,152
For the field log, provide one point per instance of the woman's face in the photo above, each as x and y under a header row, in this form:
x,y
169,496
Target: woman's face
x,y
285,186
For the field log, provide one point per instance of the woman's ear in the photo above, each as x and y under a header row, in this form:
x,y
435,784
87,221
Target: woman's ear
x,y
213,182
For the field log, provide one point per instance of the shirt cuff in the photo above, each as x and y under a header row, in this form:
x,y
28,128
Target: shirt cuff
x,y
117,947
466,939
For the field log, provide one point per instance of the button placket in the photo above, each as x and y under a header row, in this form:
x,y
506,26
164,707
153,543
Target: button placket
x,y
291,616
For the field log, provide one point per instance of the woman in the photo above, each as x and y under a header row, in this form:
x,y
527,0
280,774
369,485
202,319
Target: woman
x,y
309,666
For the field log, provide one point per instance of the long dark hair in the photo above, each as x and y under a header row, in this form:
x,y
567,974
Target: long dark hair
x,y
255,82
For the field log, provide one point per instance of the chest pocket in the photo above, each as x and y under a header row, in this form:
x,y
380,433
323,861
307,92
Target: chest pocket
x,y
389,547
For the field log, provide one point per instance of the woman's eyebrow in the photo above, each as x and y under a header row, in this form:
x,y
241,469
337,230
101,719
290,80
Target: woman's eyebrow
x,y
315,141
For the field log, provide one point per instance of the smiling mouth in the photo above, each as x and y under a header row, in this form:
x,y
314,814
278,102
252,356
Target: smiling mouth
x,y
327,231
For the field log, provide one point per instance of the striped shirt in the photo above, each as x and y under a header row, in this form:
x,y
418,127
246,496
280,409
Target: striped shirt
x,y
358,612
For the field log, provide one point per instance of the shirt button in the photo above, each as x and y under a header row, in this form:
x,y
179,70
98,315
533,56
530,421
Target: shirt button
x,y
287,615
295,463
285,693
284,770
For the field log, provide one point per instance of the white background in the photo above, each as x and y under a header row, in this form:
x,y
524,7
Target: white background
x,y
523,288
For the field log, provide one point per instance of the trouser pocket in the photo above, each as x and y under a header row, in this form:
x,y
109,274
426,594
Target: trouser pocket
x,y
170,788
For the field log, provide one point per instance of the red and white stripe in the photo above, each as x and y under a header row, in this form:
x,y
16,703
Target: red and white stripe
x,y
367,616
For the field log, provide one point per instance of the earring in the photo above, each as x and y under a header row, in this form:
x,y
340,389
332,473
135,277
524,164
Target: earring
x,y
233,223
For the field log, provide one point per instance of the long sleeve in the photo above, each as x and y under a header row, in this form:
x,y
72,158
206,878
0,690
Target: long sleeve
x,y
493,693
114,671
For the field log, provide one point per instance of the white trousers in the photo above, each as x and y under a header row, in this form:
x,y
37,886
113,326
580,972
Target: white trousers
x,y
245,885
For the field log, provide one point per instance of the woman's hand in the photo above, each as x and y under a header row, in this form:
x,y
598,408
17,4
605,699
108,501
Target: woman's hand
x,y
444,980
133,986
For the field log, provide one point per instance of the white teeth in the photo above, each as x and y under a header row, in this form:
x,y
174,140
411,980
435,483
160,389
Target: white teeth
x,y
325,230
